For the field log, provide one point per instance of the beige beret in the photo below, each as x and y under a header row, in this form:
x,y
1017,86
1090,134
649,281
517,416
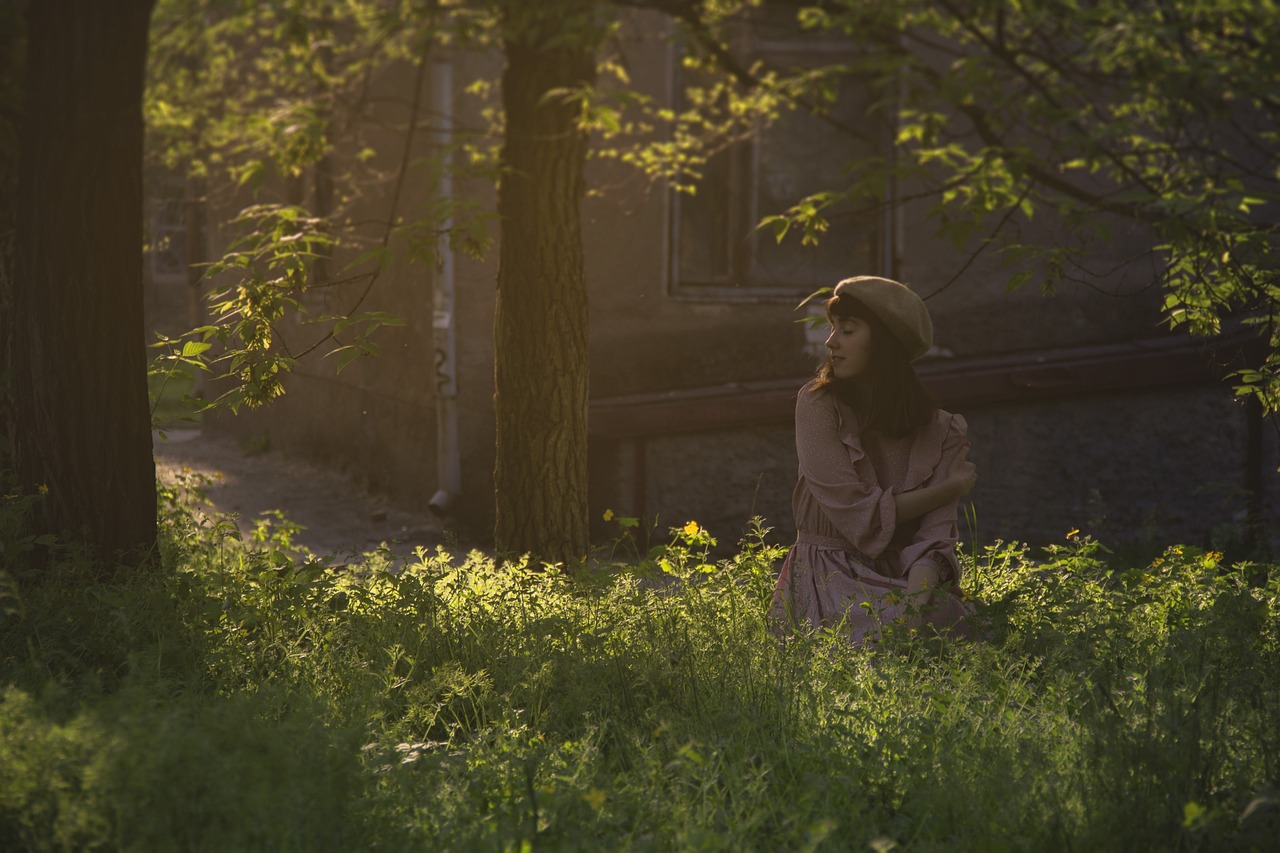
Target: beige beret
x,y
897,307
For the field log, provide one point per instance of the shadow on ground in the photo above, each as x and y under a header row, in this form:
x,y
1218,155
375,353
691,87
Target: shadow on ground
x,y
339,519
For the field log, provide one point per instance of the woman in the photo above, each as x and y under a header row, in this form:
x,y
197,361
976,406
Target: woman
x,y
882,471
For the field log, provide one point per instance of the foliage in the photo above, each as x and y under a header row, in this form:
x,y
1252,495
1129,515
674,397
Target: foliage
x,y
240,700
275,99
275,102
722,100
1110,114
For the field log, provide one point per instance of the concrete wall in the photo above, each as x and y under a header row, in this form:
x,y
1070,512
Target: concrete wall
x,y
1136,469
376,420
1148,467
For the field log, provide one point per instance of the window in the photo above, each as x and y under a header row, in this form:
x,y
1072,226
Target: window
x,y
717,251
168,232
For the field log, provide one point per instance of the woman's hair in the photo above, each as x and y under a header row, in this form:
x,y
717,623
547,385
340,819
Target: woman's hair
x,y
898,404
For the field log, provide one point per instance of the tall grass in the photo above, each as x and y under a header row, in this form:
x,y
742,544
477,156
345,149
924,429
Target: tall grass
x,y
239,699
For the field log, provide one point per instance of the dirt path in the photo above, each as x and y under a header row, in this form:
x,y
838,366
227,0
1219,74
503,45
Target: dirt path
x,y
339,519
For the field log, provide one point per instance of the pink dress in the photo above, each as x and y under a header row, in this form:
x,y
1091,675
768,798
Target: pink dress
x,y
850,561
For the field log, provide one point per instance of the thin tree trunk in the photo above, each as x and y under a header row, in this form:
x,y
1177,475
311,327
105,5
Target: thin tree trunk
x,y
82,426
540,328
193,215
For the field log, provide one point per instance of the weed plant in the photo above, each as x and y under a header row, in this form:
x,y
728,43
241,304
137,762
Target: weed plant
x,y
246,698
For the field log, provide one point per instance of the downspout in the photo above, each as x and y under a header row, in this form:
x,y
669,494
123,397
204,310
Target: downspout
x,y
892,240
443,326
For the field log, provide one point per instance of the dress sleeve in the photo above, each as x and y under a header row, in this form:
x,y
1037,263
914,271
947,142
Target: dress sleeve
x,y
935,540
840,477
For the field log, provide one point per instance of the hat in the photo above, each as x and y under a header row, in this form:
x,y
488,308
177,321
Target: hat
x,y
897,307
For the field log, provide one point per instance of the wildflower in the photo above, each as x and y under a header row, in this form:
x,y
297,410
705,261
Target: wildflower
x,y
691,528
43,488
594,798
1075,531
608,515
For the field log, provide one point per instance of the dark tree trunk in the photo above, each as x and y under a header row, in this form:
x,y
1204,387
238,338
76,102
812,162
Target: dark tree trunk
x,y
12,68
540,328
82,426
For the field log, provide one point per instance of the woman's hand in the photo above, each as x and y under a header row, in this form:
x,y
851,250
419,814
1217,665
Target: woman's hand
x,y
963,474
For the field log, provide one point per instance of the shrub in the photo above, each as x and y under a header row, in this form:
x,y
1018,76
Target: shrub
x,y
246,698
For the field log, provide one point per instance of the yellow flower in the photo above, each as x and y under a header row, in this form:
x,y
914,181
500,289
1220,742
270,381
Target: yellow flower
x,y
1073,532
608,515
691,528
43,488
594,798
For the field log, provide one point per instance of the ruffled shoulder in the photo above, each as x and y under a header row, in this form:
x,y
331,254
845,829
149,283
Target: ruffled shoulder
x,y
849,429
821,405
941,434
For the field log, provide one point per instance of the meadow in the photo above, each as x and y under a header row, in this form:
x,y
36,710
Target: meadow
x,y
243,697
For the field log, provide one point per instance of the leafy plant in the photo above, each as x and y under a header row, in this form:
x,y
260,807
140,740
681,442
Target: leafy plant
x,y
457,703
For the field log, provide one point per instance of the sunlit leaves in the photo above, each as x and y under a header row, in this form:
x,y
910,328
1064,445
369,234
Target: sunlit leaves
x,y
807,214
357,330
271,103
258,280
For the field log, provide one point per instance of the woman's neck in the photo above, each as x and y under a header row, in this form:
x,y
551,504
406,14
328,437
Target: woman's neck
x,y
859,393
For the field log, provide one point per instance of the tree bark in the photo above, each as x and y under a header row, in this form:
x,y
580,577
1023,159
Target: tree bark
x,y
82,427
540,326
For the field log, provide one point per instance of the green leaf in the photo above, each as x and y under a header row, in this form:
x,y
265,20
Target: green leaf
x,y
1017,280
346,355
820,293
193,348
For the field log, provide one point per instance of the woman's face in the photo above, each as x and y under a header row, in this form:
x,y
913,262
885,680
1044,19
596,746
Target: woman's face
x,y
850,346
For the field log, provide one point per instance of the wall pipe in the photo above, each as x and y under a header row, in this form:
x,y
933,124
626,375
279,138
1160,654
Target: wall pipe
x,y
443,321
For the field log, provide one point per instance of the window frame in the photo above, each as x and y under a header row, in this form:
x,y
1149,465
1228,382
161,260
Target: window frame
x,y
167,236
743,215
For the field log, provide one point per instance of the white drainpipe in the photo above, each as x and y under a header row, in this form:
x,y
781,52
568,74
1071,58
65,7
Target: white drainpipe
x,y
443,325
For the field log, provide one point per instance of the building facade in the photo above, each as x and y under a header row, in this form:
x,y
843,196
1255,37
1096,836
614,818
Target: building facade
x,y
1084,412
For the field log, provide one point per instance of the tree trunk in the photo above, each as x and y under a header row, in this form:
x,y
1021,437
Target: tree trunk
x,y
82,428
540,327
193,214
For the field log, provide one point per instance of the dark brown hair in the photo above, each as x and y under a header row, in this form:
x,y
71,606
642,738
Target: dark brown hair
x,y
898,404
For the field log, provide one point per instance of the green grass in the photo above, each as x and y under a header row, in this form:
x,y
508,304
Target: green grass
x,y
234,700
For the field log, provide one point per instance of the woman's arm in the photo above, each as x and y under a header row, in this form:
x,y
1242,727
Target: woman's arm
x,y
931,556
851,500
962,475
